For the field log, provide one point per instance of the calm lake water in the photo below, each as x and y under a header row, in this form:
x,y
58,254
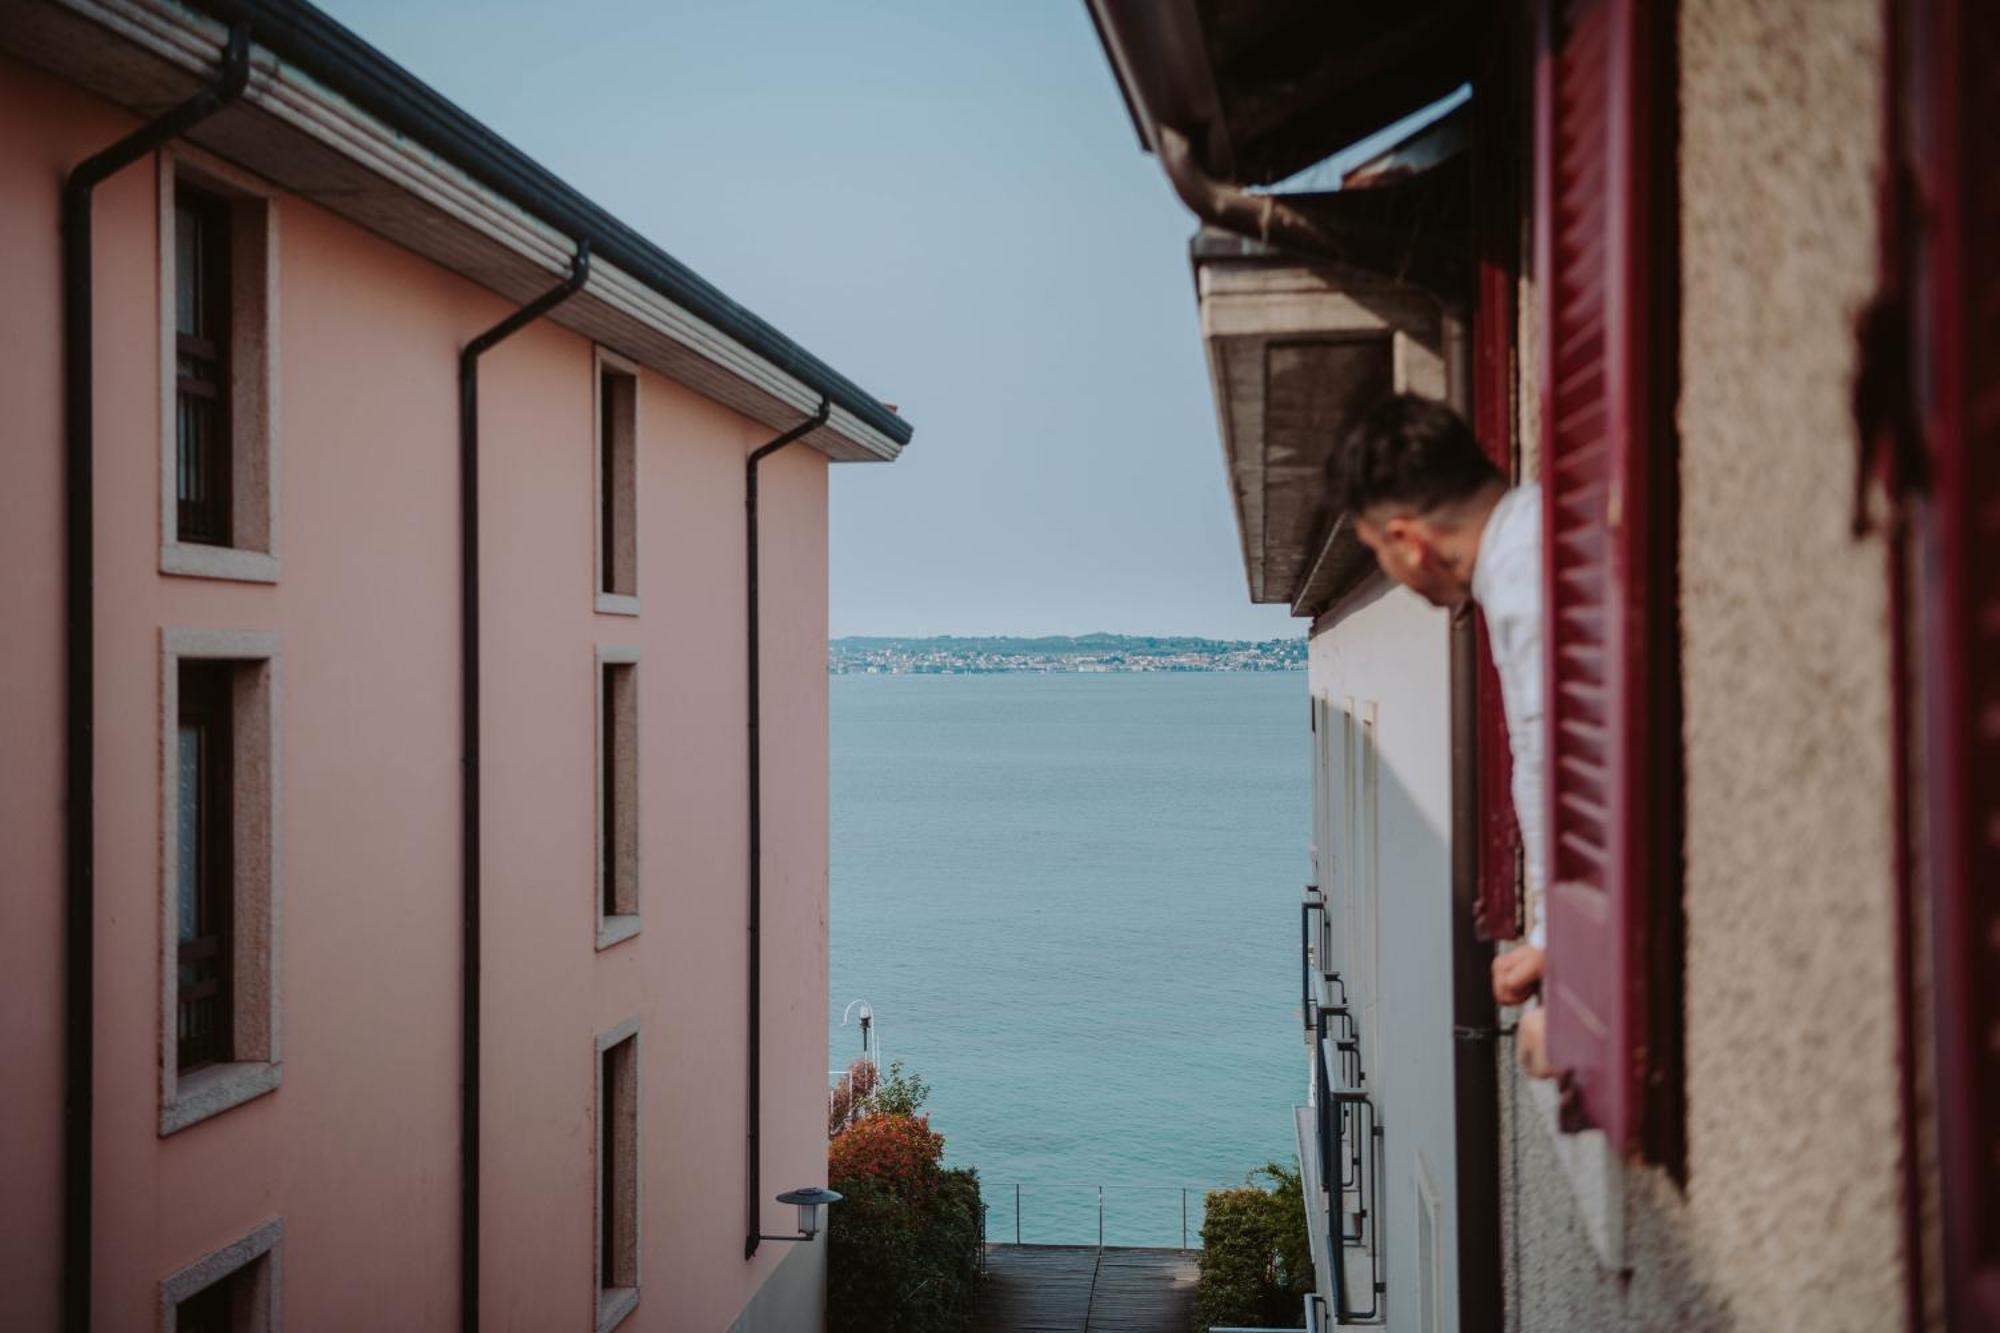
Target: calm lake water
x,y
1073,903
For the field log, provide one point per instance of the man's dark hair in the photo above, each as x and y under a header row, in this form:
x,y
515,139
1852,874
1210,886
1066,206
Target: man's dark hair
x,y
1407,453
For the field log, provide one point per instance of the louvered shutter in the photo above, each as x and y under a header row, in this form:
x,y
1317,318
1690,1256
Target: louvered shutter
x,y
1496,122
1954,53
1594,224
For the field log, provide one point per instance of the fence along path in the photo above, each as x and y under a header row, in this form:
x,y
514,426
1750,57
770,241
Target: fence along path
x,y
1084,1289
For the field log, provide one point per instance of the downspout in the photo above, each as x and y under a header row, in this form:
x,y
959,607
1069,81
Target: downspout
x,y
1475,1069
79,651
753,1174
469,834
1267,217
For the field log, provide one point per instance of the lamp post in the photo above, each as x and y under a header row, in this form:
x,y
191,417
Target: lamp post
x,y
808,1201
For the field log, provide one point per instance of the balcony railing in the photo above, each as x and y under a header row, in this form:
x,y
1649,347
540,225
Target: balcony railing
x,y
1349,1137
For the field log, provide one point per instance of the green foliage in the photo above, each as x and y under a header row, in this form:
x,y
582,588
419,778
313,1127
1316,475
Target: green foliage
x,y
1256,1262
903,1247
899,1094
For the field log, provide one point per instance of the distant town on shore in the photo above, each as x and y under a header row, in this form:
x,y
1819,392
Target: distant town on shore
x,y
952,655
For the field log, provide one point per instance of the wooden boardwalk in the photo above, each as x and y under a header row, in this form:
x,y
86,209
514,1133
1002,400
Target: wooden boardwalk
x,y
1082,1289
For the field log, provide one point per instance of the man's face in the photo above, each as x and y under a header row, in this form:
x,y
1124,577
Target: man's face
x,y
1406,546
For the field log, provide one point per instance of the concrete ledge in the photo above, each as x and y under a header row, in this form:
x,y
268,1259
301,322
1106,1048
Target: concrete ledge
x,y
190,560
613,1305
205,1272
616,930
218,1088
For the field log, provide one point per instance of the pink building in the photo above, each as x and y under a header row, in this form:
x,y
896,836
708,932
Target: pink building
x,y
310,1022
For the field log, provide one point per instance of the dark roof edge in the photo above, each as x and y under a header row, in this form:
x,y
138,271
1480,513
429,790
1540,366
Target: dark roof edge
x,y
303,36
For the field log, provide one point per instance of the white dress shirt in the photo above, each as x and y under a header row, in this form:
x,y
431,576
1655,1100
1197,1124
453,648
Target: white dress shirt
x,y
1507,584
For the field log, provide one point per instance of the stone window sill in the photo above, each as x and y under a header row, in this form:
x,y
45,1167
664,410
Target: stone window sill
x,y
613,1304
193,560
218,1088
615,930
617,604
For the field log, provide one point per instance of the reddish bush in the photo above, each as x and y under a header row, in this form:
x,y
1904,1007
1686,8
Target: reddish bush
x,y
898,1152
849,1100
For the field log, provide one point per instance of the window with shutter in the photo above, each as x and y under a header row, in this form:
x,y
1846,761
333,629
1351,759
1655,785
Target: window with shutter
x,y
1953,50
1604,235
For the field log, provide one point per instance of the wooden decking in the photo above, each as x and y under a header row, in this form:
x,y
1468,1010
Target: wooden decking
x,y
1082,1289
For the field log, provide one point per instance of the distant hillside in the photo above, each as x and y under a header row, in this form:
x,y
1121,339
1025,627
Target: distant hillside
x,y
958,654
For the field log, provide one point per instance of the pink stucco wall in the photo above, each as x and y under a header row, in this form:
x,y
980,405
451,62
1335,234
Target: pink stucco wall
x,y
358,1149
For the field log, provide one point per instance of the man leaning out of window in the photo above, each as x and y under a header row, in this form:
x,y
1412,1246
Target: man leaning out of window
x,y
1443,522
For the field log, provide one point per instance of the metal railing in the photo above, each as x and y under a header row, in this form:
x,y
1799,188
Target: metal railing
x,y
1070,1214
1350,1140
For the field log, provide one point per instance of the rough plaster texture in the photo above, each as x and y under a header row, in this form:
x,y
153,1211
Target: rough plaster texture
x,y
365,1126
1791,1213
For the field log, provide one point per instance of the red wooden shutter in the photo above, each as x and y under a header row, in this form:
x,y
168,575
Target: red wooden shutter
x,y
1496,123
1606,476
1954,51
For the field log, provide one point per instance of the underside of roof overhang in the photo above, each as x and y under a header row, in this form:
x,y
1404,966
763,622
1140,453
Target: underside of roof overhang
x,y
310,140
1296,350
1266,88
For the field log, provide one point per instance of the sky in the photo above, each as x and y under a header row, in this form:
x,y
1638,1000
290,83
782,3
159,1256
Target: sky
x,y
948,203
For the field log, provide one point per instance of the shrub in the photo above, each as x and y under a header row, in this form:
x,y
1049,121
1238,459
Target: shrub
x,y
848,1101
903,1248
1256,1263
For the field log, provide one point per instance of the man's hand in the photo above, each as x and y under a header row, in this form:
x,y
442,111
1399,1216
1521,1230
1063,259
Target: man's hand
x,y
1517,974
1531,1044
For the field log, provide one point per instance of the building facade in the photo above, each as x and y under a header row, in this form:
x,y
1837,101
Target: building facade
x,y
1708,272
381,690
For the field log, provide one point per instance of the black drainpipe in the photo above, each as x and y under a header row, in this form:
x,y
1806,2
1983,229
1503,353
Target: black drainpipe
x,y
753,1176
1475,1021
79,649
468,548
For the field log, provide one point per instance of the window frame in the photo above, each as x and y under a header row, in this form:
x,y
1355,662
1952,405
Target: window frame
x,y
258,1255
615,1301
255,1067
611,785
250,400
622,416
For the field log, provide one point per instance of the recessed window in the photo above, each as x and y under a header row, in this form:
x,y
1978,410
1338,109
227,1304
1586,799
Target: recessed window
x,y
617,486
233,1290
617,1174
201,352
617,795
219,1031
205,883
218,299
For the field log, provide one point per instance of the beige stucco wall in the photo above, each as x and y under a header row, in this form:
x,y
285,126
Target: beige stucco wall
x,y
1790,1217
358,1149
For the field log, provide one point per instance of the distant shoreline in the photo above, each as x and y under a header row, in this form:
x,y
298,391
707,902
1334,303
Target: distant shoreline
x,y
1088,654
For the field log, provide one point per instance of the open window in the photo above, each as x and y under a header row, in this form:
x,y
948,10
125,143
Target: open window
x,y
1607,274
218,317
219,873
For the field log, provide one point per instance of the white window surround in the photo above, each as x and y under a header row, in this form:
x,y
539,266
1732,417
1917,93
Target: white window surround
x,y
266,1243
602,362
614,929
253,395
258,1069
613,1304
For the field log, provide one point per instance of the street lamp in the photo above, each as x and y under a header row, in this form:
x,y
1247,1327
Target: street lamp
x,y
809,1201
